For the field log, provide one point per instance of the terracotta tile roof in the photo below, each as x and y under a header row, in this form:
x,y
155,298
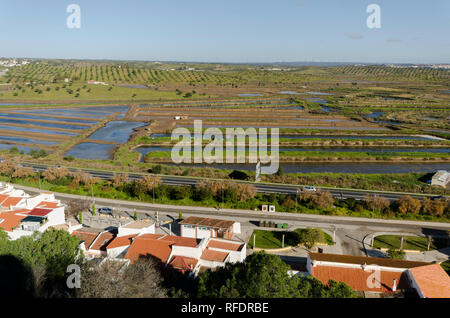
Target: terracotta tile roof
x,y
147,246
11,201
151,236
359,260
51,205
102,241
157,245
10,220
231,246
40,212
214,256
194,220
357,278
121,241
3,197
432,281
181,241
183,263
86,237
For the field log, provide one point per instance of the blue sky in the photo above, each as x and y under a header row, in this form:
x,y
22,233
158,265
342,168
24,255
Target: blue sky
x,y
228,31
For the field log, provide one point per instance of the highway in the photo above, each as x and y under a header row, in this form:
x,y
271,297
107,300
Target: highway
x,y
261,187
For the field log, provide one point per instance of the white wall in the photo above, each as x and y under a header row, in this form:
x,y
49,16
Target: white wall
x,y
203,233
187,232
131,231
117,251
237,228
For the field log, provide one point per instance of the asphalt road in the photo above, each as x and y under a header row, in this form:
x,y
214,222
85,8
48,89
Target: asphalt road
x,y
261,187
249,215
350,231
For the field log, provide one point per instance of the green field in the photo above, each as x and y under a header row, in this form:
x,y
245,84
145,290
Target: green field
x,y
86,92
273,239
410,242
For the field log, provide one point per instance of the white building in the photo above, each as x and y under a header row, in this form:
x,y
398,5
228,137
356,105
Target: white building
x,y
22,214
440,178
186,254
197,227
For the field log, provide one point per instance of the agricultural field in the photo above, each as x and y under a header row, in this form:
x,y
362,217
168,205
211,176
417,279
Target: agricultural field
x,y
120,115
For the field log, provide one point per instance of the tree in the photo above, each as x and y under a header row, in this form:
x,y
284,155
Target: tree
x,y
146,184
47,254
310,236
433,207
23,172
53,173
76,206
119,180
202,191
115,280
288,203
407,204
320,199
83,178
263,275
376,203
244,191
8,167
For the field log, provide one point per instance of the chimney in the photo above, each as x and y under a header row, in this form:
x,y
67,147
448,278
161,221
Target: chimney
x,y
394,285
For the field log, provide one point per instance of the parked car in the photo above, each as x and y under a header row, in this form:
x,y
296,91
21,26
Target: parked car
x,y
313,189
105,210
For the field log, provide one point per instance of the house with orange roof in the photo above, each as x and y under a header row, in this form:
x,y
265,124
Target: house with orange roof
x,y
365,274
22,215
430,281
186,254
119,246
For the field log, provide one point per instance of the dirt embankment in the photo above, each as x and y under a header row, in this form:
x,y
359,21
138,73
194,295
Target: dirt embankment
x,y
327,159
34,135
47,121
56,116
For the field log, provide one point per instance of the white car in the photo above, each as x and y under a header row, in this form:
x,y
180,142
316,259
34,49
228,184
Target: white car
x,y
313,189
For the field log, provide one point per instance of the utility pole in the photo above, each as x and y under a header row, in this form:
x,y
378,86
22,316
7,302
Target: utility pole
x,y
282,241
223,196
92,190
401,243
429,242
153,188
39,173
254,241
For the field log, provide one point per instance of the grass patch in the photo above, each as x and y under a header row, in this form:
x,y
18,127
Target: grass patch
x,y
410,242
273,239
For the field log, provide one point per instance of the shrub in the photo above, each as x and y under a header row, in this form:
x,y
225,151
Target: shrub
x,y
310,236
407,204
